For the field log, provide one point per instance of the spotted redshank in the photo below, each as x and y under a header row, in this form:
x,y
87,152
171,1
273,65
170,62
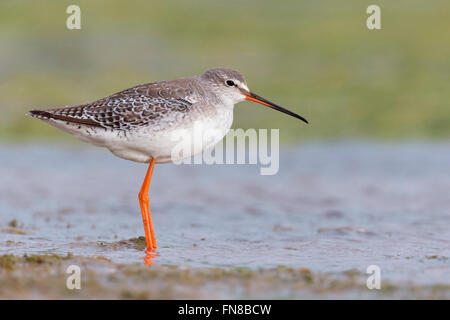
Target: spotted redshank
x,y
137,123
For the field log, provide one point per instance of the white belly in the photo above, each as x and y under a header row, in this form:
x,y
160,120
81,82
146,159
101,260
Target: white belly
x,y
173,144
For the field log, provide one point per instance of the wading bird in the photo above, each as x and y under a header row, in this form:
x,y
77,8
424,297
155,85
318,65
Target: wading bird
x,y
137,124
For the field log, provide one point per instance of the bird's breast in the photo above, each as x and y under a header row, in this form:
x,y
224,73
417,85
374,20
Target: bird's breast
x,y
197,132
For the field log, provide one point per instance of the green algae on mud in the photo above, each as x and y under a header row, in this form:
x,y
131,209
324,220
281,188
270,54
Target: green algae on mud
x,y
14,228
135,243
138,244
10,261
13,223
44,276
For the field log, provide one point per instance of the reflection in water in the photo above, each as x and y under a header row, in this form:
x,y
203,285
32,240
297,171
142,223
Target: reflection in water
x,y
149,256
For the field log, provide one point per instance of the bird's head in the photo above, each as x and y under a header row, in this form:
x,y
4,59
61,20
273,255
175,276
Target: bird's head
x,y
230,85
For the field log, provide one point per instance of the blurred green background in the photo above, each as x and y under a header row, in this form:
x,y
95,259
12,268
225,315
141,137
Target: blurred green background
x,y
314,57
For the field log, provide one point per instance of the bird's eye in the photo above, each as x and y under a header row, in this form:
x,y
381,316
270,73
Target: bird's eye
x,y
230,83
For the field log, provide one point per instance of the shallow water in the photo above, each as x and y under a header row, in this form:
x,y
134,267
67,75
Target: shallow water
x,y
332,207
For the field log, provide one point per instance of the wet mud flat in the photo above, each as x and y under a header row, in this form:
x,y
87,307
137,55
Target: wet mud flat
x,y
310,231
45,277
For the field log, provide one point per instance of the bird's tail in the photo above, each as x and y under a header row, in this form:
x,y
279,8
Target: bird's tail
x,y
48,115
40,114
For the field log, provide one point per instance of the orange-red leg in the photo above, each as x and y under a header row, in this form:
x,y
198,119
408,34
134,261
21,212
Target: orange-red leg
x,y
144,201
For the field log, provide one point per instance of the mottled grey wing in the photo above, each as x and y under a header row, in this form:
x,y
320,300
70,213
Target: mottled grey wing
x,y
155,104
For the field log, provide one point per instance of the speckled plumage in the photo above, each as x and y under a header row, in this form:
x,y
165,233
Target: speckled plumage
x,y
149,104
136,123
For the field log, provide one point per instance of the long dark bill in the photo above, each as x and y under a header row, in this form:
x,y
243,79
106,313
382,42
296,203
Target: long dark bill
x,y
254,97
